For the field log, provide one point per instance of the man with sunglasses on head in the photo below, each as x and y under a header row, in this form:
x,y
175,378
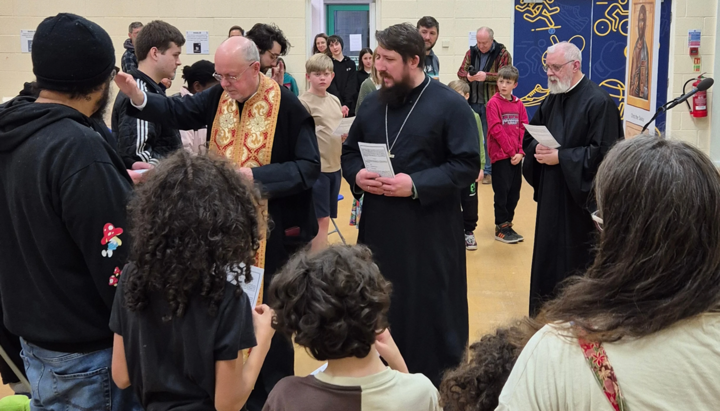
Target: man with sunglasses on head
x,y
586,123
265,130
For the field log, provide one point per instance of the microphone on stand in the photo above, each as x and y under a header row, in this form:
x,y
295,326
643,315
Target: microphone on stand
x,y
702,86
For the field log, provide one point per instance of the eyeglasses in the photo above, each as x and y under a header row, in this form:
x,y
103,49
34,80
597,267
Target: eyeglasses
x,y
220,77
595,215
273,55
556,67
114,73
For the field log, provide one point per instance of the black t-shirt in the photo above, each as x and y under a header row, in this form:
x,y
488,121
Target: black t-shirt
x,y
172,364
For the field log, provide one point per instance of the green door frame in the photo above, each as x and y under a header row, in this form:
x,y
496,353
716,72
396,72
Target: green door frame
x,y
332,8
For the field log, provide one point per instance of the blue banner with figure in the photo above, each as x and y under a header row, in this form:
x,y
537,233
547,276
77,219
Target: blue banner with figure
x,y
598,28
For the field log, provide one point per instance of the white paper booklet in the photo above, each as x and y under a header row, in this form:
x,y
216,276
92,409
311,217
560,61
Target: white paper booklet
x,y
542,135
377,159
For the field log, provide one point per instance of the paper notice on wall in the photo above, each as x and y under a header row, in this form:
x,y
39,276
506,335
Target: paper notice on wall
x,y
197,42
472,39
694,37
26,40
355,42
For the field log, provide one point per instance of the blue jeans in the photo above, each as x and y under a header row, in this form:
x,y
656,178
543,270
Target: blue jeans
x,y
480,109
74,381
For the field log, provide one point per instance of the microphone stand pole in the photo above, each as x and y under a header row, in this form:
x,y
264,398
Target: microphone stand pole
x,y
663,109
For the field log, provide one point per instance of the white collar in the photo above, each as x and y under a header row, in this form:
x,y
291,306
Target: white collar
x,y
570,89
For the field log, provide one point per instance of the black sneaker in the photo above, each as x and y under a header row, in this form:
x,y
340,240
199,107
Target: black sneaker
x,y
504,234
516,234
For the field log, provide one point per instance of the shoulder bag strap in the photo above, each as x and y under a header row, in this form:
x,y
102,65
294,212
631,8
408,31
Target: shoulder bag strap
x,y
597,358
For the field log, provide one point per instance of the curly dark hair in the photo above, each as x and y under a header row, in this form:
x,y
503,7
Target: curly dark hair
x,y
476,384
193,221
263,35
334,302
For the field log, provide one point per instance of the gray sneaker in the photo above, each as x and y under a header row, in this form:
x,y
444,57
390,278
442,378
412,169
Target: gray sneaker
x,y
516,234
505,234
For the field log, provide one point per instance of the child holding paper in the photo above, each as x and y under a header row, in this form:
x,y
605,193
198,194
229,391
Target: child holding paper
x,y
506,115
327,113
335,304
180,317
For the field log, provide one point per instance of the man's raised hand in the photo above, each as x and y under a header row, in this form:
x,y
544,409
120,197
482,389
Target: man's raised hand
x,y
126,83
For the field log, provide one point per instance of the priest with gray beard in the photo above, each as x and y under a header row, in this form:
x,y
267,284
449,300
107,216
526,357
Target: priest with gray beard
x,y
586,122
412,222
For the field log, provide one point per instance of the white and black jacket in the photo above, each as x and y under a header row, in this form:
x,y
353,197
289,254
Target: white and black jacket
x,y
140,140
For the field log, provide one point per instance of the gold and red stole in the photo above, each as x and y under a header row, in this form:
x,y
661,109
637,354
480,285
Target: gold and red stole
x,y
247,138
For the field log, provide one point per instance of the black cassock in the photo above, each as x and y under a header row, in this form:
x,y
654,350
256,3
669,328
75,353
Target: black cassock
x,y
418,243
586,123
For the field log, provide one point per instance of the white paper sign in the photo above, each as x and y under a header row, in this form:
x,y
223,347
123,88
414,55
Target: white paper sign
x,y
542,135
472,39
344,126
26,40
197,42
377,159
355,42
252,289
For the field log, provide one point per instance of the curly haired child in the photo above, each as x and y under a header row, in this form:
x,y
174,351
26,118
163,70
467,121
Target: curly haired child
x,y
180,316
476,384
335,304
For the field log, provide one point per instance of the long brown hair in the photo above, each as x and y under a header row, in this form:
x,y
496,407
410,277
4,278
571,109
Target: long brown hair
x,y
658,260
327,46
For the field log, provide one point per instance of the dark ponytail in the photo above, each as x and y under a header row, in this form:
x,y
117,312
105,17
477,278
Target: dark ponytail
x,y
201,71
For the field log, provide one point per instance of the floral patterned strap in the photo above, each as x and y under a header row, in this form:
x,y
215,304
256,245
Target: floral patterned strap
x,y
604,374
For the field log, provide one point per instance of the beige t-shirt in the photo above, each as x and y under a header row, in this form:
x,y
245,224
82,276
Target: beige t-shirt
x,y
388,390
675,369
327,113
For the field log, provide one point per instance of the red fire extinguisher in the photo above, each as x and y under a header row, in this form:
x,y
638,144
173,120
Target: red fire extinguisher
x,y
699,101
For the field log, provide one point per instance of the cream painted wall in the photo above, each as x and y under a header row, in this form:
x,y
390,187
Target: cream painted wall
x,y
691,15
216,16
457,18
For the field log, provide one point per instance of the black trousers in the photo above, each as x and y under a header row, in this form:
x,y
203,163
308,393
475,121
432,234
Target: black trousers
x,y
506,183
469,202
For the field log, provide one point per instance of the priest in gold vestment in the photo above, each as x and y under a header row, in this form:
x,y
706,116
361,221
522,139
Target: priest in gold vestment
x,y
264,129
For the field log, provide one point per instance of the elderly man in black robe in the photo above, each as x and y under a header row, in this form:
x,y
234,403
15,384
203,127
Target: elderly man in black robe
x,y
586,123
412,222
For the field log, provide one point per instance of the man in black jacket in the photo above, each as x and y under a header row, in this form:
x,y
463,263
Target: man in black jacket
x,y
158,48
344,85
265,130
63,191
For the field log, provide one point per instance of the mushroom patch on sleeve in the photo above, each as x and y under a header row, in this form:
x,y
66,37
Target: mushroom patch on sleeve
x,y
111,239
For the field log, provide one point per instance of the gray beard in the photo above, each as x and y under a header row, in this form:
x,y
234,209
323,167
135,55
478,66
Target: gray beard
x,y
559,87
